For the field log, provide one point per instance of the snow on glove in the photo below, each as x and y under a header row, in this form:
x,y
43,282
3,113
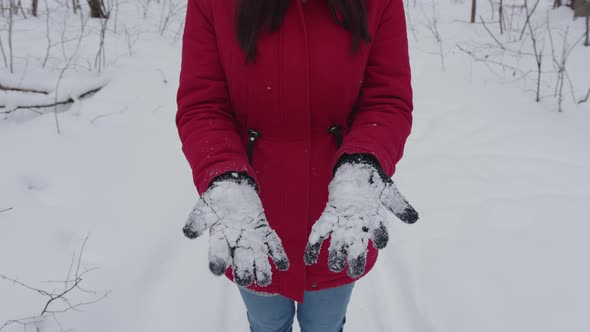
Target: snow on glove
x,y
361,197
239,232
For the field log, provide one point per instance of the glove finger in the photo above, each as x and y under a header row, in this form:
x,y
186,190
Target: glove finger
x,y
324,225
380,236
319,232
243,266
357,258
262,270
200,217
276,250
219,251
312,252
337,257
398,204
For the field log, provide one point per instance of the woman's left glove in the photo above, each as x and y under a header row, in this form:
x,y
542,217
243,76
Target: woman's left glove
x,y
361,198
239,232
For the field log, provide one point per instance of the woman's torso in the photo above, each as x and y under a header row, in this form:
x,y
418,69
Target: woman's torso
x,y
305,80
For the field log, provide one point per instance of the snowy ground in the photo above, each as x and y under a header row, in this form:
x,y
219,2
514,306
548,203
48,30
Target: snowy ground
x,y
502,184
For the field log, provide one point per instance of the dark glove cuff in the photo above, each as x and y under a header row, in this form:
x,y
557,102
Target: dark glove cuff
x,y
237,177
366,159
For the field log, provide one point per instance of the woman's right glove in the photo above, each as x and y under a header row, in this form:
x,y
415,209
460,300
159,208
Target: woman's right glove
x,y
239,232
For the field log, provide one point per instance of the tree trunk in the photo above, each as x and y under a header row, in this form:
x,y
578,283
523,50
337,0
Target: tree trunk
x,y
34,7
473,10
10,24
97,9
587,43
501,13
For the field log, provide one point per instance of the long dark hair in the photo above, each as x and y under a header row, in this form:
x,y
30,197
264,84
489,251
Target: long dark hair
x,y
253,15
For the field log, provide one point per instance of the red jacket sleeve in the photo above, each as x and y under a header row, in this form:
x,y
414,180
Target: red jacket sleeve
x,y
382,119
205,119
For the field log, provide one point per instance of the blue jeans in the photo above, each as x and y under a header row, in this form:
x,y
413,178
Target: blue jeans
x,y
321,311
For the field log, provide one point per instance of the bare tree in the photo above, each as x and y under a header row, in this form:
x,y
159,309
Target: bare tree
x,y
115,7
61,74
165,17
433,27
507,53
537,51
10,27
47,35
473,10
501,18
560,64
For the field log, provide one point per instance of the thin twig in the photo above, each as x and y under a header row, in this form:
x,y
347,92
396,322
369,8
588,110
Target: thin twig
x,y
107,114
62,72
47,35
586,98
491,34
486,60
528,16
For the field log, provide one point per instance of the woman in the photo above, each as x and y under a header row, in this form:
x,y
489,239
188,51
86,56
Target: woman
x,y
292,115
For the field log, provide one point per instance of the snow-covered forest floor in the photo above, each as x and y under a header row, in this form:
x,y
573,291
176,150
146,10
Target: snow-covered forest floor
x,y
502,182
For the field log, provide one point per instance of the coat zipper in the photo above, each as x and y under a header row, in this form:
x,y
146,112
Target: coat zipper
x,y
253,135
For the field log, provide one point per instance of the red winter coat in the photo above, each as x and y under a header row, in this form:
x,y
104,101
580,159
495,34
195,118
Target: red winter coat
x,y
305,80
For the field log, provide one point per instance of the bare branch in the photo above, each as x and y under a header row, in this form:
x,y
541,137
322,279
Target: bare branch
x,y
14,88
53,104
40,291
486,60
491,34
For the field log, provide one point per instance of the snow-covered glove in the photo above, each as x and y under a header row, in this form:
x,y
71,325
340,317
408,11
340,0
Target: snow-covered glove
x,y
361,198
239,232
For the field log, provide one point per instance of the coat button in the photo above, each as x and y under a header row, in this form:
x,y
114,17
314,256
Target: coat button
x,y
304,1
314,285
